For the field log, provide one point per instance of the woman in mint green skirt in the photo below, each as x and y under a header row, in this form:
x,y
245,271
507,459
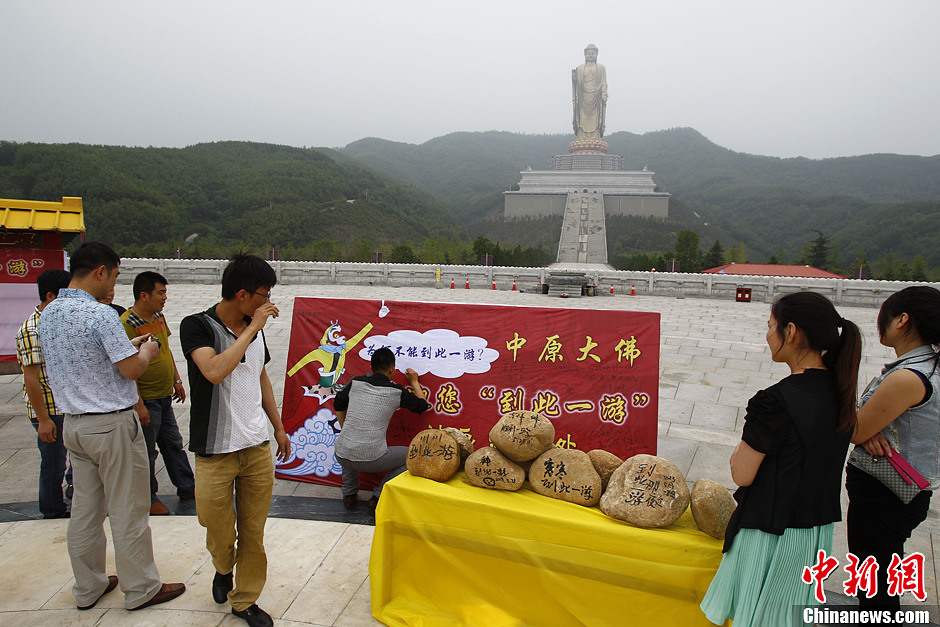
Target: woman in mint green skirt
x,y
789,466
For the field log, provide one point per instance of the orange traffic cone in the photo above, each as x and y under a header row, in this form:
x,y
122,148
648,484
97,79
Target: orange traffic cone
x,y
468,284
513,285
494,283
451,282
611,289
633,290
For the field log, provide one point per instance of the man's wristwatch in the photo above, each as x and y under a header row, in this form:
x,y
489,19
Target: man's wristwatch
x,y
178,381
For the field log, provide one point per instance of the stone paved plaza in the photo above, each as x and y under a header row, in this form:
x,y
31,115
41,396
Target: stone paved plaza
x,y
713,358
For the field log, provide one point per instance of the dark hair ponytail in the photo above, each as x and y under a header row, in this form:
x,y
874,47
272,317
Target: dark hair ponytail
x,y
921,303
841,351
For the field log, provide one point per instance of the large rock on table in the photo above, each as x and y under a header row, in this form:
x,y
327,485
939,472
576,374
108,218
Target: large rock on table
x,y
523,435
712,506
433,454
646,491
466,446
488,468
566,474
605,464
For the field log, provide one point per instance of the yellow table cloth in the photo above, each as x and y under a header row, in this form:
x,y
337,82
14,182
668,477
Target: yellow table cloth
x,y
454,554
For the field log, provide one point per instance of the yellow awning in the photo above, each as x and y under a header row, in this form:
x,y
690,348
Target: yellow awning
x,y
37,215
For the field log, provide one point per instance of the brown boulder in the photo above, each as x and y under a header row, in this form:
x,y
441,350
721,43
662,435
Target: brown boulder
x,y
488,468
433,454
712,506
646,491
466,446
522,435
566,474
605,464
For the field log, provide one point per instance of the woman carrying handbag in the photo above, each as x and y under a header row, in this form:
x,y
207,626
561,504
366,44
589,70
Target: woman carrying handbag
x,y
898,418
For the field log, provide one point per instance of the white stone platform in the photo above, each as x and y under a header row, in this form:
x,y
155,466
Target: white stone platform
x,y
713,358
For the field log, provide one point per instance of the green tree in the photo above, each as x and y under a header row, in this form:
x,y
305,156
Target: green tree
x,y
483,246
736,254
817,253
687,252
888,268
715,256
919,269
403,254
860,262
364,248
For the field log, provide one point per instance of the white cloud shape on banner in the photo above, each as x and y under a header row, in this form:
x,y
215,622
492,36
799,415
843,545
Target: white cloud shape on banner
x,y
313,444
442,352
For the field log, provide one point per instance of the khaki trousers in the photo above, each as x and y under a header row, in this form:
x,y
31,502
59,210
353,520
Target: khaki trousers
x,y
111,476
235,535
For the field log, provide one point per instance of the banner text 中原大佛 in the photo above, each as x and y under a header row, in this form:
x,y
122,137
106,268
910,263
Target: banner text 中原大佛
x,y
594,373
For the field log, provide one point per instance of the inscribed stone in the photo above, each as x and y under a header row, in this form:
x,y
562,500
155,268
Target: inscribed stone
x,y
646,491
566,474
433,454
488,468
522,435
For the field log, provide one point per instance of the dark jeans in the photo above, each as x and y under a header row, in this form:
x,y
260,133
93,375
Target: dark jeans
x,y
165,433
51,470
393,461
878,524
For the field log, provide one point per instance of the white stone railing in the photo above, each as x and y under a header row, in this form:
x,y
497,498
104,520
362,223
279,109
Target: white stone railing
x,y
722,286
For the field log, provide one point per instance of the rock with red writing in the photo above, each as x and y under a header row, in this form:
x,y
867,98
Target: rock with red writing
x,y
605,464
566,474
646,491
433,454
466,446
712,506
488,468
523,435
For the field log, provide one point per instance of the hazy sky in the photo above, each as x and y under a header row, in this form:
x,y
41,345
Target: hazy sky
x,y
817,78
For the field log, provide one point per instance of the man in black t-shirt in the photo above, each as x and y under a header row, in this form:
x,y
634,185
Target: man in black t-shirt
x,y
233,406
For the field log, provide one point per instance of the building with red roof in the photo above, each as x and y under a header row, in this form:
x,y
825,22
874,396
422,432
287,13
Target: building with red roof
x,y
774,269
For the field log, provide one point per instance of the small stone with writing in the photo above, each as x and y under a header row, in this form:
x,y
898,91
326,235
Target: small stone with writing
x,y
646,491
488,468
433,454
566,474
523,435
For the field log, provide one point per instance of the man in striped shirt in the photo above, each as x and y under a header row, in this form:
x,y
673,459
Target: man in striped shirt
x,y
233,407
364,409
40,404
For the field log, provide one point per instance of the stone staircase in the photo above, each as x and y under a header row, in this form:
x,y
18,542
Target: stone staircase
x,y
583,230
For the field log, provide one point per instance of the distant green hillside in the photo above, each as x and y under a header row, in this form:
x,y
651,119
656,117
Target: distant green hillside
x,y
432,202
771,205
230,193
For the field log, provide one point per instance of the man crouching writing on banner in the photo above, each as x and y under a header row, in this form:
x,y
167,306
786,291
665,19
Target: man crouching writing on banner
x,y
232,403
364,409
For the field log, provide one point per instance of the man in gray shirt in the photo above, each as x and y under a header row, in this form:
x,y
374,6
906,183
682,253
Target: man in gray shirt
x,y
92,367
364,409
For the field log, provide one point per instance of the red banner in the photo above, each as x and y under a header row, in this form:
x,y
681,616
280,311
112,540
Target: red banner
x,y
593,373
24,265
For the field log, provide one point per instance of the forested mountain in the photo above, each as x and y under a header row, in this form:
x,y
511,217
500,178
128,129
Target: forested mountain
x,y
772,206
442,201
233,194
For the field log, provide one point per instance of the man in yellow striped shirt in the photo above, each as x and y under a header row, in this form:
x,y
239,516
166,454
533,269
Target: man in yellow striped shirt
x,y
40,404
